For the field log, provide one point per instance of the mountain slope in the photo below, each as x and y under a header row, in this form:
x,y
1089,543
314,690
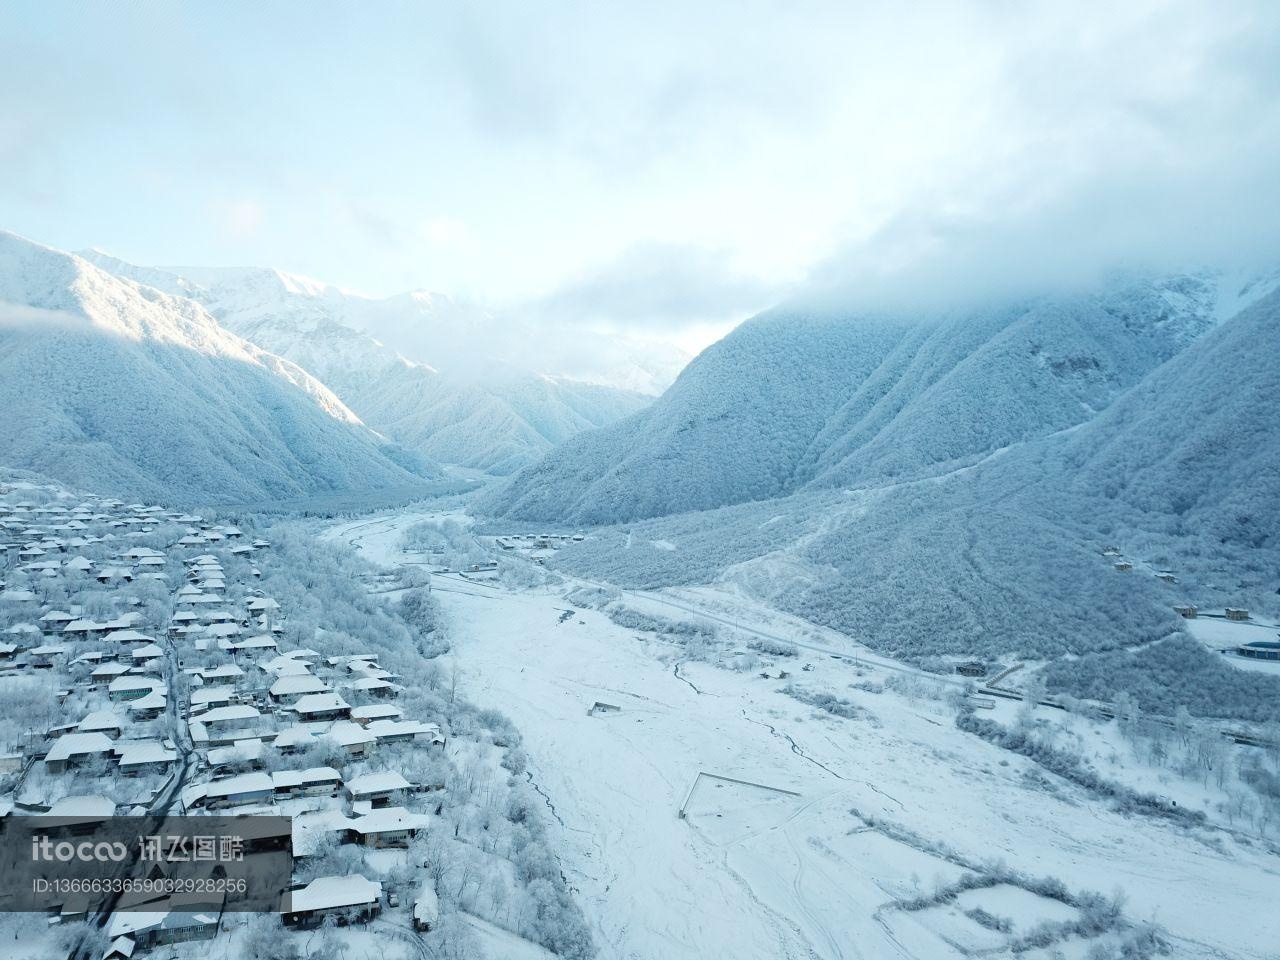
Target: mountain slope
x,y
114,386
1004,560
790,401
1194,449
496,422
733,427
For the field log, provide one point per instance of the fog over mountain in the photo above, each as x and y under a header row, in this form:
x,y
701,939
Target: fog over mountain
x,y
796,399
1004,557
469,396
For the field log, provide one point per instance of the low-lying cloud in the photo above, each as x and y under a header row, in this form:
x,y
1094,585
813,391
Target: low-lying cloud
x,y
656,287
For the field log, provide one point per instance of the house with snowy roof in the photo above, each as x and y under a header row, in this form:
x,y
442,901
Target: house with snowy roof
x,y
386,827
130,686
378,789
152,928
143,756
291,687
366,713
399,731
321,706
82,813
349,899
73,749
352,737
230,792
102,721
148,707
312,782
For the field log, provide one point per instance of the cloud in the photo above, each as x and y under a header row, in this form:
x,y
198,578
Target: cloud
x,y
1150,145
444,231
237,219
20,317
658,287
939,148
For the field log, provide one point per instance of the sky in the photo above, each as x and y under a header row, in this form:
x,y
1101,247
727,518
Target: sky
x,y
660,167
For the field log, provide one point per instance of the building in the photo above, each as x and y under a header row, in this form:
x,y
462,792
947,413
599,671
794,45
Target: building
x,y
375,687
293,739
144,756
369,712
132,687
349,899
293,686
101,721
153,928
1187,611
231,717
386,827
1260,650
71,749
352,737
42,657
974,668
1237,613
231,792
82,813
322,706
378,789
313,782
402,731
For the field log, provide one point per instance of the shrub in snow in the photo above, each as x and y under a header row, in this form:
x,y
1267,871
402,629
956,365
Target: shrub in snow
x,y
988,920
826,702
773,648
1070,767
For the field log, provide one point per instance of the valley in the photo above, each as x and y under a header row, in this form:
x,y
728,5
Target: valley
x,y
666,481
754,872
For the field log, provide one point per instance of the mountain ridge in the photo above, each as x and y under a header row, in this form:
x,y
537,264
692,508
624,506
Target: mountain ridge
x,y
496,422
790,401
118,386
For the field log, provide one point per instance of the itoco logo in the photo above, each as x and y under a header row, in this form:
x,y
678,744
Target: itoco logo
x,y
64,851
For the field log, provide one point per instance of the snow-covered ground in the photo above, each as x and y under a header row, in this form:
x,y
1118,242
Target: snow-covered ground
x,y
1218,633
752,872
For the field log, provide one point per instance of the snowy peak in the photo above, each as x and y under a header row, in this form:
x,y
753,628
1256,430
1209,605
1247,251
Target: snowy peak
x,y
457,339
121,386
497,417
41,277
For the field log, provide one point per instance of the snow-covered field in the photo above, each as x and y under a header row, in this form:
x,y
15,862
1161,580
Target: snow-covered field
x,y
752,872
1224,635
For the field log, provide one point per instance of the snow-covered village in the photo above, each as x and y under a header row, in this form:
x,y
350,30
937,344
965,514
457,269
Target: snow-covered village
x,y
740,481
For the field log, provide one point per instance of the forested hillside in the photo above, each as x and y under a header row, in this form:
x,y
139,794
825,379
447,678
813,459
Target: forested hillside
x,y
1181,473
790,401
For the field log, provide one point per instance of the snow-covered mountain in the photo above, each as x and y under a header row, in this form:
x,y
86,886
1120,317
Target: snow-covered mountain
x,y
482,411
794,401
114,386
1190,455
1180,472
